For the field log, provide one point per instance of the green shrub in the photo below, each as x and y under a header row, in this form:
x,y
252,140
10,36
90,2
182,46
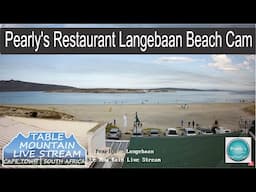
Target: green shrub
x,y
33,114
109,126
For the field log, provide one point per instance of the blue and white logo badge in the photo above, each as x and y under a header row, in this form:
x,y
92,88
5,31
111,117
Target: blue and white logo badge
x,y
238,150
44,148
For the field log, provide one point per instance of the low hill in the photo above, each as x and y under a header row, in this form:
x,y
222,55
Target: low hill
x,y
14,85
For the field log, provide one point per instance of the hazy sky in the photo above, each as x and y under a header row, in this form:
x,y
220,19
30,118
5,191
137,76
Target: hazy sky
x,y
233,72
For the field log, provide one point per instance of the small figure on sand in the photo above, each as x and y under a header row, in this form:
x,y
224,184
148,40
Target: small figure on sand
x,y
241,122
193,123
189,124
215,125
182,122
185,106
245,124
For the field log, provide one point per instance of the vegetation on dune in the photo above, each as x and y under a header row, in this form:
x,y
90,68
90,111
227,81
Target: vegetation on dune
x,y
109,127
31,112
250,109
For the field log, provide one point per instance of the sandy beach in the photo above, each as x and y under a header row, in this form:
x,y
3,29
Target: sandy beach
x,y
158,116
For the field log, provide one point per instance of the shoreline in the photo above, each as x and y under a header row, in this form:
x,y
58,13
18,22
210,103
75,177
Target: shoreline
x,y
124,104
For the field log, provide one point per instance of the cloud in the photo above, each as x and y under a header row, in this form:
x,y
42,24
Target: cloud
x,y
173,59
250,57
223,63
248,62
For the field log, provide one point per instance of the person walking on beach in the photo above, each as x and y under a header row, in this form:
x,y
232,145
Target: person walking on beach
x,y
189,124
193,123
245,124
241,122
215,125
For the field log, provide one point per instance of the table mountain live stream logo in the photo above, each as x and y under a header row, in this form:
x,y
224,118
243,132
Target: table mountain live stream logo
x,y
238,150
44,148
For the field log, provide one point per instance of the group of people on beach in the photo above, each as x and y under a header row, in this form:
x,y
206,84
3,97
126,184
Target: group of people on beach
x,y
184,106
245,101
244,123
193,124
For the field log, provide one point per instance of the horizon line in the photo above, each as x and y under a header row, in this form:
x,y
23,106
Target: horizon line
x,y
199,89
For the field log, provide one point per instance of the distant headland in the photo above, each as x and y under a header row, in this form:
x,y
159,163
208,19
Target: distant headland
x,y
15,85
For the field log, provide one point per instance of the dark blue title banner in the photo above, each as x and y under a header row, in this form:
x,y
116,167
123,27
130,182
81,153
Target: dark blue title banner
x,y
127,40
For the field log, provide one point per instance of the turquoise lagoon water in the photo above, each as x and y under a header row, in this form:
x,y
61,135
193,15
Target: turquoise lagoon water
x,y
125,98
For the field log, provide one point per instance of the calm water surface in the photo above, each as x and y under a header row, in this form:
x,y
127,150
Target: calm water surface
x,y
130,98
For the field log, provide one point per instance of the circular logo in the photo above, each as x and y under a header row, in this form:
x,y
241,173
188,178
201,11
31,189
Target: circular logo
x,y
238,150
